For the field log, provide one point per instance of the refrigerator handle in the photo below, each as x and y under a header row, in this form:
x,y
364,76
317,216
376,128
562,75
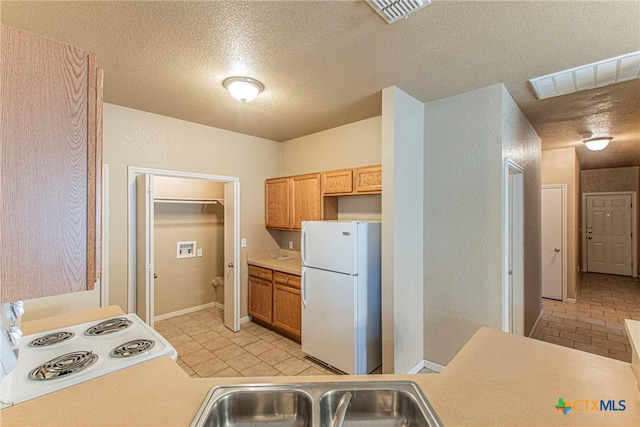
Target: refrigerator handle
x,y
303,246
304,287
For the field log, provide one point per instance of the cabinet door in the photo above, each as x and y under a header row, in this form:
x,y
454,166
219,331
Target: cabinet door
x,y
276,208
306,200
336,182
49,167
287,309
260,302
367,180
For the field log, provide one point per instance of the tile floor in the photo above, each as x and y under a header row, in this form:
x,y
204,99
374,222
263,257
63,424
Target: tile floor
x,y
595,323
207,349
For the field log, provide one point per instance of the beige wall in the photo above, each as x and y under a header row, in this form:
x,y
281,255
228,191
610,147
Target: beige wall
x,y
184,283
561,167
466,137
165,186
614,179
352,145
137,138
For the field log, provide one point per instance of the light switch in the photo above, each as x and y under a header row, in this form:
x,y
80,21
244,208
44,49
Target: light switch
x,y
243,243
199,251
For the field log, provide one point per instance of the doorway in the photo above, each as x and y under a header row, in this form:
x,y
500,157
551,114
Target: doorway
x,y
141,210
554,242
513,248
609,222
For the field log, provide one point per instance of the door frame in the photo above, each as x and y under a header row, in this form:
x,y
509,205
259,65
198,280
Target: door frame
x,y
562,187
132,172
509,323
634,229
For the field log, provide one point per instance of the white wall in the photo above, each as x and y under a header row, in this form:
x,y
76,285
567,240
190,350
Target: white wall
x,y
402,214
466,138
521,143
462,220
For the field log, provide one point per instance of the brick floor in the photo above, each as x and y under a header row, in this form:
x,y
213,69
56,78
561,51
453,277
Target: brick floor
x,y
595,323
207,349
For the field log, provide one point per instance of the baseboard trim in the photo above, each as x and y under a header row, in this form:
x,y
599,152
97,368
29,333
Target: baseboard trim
x,y
433,366
245,319
535,325
183,311
571,300
416,368
219,305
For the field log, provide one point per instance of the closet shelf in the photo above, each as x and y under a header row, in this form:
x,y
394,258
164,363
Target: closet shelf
x,y
196,201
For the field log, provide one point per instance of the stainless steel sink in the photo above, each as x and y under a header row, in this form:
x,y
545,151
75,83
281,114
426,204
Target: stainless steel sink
x,y
388,406
255,405
373,403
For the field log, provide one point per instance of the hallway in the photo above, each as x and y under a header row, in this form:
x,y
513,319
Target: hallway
x,y
595,323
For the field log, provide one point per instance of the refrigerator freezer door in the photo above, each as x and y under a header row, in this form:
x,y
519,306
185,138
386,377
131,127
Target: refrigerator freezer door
x,y
328,318
330,245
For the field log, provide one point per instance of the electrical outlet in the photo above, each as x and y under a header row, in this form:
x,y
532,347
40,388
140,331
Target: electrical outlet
x,y
243,243
290,244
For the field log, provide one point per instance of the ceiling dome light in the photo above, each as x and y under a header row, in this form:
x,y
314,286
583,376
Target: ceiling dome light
x,y
243,89
597,144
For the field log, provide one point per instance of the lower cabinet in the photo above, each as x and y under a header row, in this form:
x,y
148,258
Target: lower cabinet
x,y
274,301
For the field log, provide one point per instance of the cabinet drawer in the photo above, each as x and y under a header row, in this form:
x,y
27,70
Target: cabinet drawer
x,y
260,273
286,279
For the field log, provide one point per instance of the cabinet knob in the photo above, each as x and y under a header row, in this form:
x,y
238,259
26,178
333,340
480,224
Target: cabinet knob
x,y
230,265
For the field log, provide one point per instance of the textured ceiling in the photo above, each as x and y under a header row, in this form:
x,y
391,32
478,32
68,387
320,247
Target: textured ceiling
x,y
324,63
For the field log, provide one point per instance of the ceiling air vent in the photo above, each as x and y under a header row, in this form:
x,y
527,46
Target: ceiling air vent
x,y
598,74
393,10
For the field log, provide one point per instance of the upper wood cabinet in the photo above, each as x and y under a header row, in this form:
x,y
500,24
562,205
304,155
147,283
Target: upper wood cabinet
x,y
306,199
51,142
276,203
291,200
345,182
336,182
368,179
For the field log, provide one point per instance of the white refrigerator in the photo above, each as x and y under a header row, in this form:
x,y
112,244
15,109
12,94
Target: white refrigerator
x,y
341,316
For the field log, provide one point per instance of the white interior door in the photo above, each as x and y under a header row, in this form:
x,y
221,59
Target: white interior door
x,y
144,248
609,241
553,230
513,247
231,259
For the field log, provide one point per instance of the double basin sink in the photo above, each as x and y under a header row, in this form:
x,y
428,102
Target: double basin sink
x,y
376,403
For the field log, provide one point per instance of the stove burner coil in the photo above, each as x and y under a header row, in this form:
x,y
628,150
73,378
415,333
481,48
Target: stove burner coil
x,y
51,339
132,348
108,326
64,365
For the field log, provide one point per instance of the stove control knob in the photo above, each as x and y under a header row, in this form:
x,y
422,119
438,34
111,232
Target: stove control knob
x,y
15,335
18,308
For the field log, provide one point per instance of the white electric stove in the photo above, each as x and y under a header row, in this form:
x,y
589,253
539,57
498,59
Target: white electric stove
x,y
60,358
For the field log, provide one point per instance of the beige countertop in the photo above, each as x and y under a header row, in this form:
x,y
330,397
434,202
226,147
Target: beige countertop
x,y
262,259
633,332
496,379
